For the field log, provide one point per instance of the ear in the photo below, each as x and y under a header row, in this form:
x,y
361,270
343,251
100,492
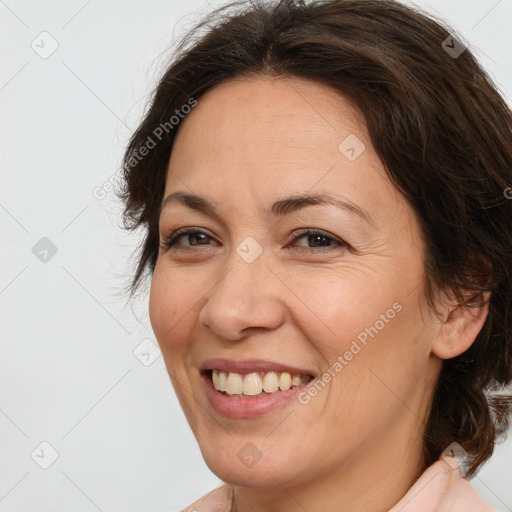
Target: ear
x,y
460,328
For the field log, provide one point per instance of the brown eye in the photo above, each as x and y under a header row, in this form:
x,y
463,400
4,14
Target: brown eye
x,y
196,237
193,234
319,239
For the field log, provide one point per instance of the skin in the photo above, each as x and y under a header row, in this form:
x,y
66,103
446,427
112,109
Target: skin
x,y
357,445
439,489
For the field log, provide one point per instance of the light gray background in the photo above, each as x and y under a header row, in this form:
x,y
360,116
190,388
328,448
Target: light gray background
x,y
68,372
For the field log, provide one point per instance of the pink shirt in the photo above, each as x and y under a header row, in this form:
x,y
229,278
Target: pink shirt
x,y
218,500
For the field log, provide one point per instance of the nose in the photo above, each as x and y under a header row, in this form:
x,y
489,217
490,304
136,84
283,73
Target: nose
x,y
246,297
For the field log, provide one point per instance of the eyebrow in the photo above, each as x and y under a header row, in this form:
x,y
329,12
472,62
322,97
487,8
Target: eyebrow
x,y
279,208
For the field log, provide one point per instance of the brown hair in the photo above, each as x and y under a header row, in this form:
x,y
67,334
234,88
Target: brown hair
x,y
441,129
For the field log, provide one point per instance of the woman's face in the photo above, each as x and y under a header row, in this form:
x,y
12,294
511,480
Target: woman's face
x,y
346,301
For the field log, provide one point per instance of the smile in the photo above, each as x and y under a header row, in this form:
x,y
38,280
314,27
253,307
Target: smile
x,y
256,384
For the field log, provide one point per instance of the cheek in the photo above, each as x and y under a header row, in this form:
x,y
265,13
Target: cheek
x,y
169,301
371,337
347,305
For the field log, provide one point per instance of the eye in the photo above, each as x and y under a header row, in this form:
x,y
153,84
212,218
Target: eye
x,y
317,236
197,237
171,240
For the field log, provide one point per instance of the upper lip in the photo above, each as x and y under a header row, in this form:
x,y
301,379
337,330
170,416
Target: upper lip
x,y
249,366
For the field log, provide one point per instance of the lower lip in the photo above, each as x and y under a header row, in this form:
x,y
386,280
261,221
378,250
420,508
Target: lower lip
x,y
234,407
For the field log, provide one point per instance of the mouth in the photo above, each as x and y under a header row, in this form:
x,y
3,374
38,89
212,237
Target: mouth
x,y
255,384
252,387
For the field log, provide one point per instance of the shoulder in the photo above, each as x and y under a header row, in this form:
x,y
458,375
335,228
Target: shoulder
x,y
441,488
218,500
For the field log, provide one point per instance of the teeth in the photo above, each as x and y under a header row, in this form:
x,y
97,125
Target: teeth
x,y
285,381
234,384
221,378
296,380
270,382
256,384
215,379
252,384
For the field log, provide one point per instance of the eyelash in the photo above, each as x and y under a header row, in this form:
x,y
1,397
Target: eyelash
x,y
171,240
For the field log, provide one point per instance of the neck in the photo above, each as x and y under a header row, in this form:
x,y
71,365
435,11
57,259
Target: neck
x,y
373,479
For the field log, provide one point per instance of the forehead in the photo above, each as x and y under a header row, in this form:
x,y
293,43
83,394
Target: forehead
x,y
266,136
247,113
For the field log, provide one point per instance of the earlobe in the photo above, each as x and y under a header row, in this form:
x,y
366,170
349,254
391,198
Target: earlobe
x,y
460,329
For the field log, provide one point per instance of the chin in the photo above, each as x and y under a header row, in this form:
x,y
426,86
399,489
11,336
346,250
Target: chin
x,y
259,476
246,467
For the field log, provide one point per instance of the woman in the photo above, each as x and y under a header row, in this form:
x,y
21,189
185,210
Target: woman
x,y
322,188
